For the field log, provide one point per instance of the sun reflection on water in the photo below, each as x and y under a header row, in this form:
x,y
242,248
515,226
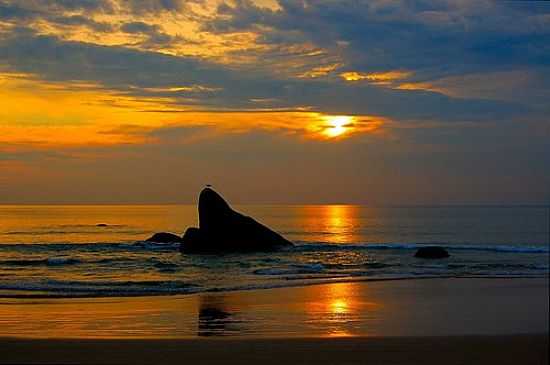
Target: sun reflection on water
x,y
329,223
339,219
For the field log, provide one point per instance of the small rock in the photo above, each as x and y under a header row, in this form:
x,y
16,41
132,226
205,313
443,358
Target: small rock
x,y
164,237
431,252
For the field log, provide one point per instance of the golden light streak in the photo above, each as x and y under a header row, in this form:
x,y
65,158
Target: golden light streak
x,y
190,88
420,86
320,71
375,77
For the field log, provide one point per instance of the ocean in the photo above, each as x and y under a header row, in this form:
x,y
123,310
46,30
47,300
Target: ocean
x,y
99,250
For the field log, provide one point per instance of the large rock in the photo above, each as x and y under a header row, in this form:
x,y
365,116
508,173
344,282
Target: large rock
x,y
221,229
164,237
431,252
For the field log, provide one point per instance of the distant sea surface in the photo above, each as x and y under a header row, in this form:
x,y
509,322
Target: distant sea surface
x,y
98,250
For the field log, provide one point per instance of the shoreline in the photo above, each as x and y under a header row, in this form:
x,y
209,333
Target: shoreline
x,y
326,281
389,308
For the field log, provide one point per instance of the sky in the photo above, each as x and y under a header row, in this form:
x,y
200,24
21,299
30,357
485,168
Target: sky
x,y
275,101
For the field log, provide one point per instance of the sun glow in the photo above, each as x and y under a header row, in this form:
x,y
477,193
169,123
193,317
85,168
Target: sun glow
x,y
338,125
376,76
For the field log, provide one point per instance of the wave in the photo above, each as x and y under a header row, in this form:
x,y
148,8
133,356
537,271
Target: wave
x,y
100,230
327,246
69,288
132,246
300,246
292,270
51,261
82,289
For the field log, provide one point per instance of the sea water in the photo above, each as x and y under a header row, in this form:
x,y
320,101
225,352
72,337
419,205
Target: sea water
x,y
99,250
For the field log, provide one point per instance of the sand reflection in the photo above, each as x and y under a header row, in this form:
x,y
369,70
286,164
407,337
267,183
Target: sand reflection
x,y
336,309
215,318
333,310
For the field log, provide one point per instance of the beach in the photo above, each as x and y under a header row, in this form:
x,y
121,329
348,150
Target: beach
x,y
451,321
519,349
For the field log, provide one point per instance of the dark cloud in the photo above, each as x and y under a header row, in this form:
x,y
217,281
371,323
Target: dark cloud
x,y
152,6
79,20
136,72
432,38
76,4
55,13
156,38
57,60
10,11
138,27
21,8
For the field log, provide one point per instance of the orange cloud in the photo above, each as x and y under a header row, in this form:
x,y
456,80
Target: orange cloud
x,y
320,71
420,86
375,77
41,113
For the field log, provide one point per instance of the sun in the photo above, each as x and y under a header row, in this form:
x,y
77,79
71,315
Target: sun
x,y
337,125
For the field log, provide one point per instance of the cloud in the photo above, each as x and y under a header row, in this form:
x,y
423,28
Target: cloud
x,y
156,38
57,13
433,39
153,6
13,12
56,6
135,73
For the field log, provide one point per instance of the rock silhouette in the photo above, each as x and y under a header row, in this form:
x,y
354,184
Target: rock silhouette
x,y
221,229
164,237
431,252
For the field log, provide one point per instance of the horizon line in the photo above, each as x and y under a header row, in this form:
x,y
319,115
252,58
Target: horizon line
x,y
393,205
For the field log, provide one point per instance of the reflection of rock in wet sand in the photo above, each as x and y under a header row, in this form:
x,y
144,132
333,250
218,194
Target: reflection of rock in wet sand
x,y
214,319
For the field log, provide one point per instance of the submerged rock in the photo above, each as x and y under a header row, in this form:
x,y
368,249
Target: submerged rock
x,y
431,252
164,237
221,229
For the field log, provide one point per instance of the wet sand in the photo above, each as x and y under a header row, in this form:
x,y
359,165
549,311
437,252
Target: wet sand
x,y
424,307
439,321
